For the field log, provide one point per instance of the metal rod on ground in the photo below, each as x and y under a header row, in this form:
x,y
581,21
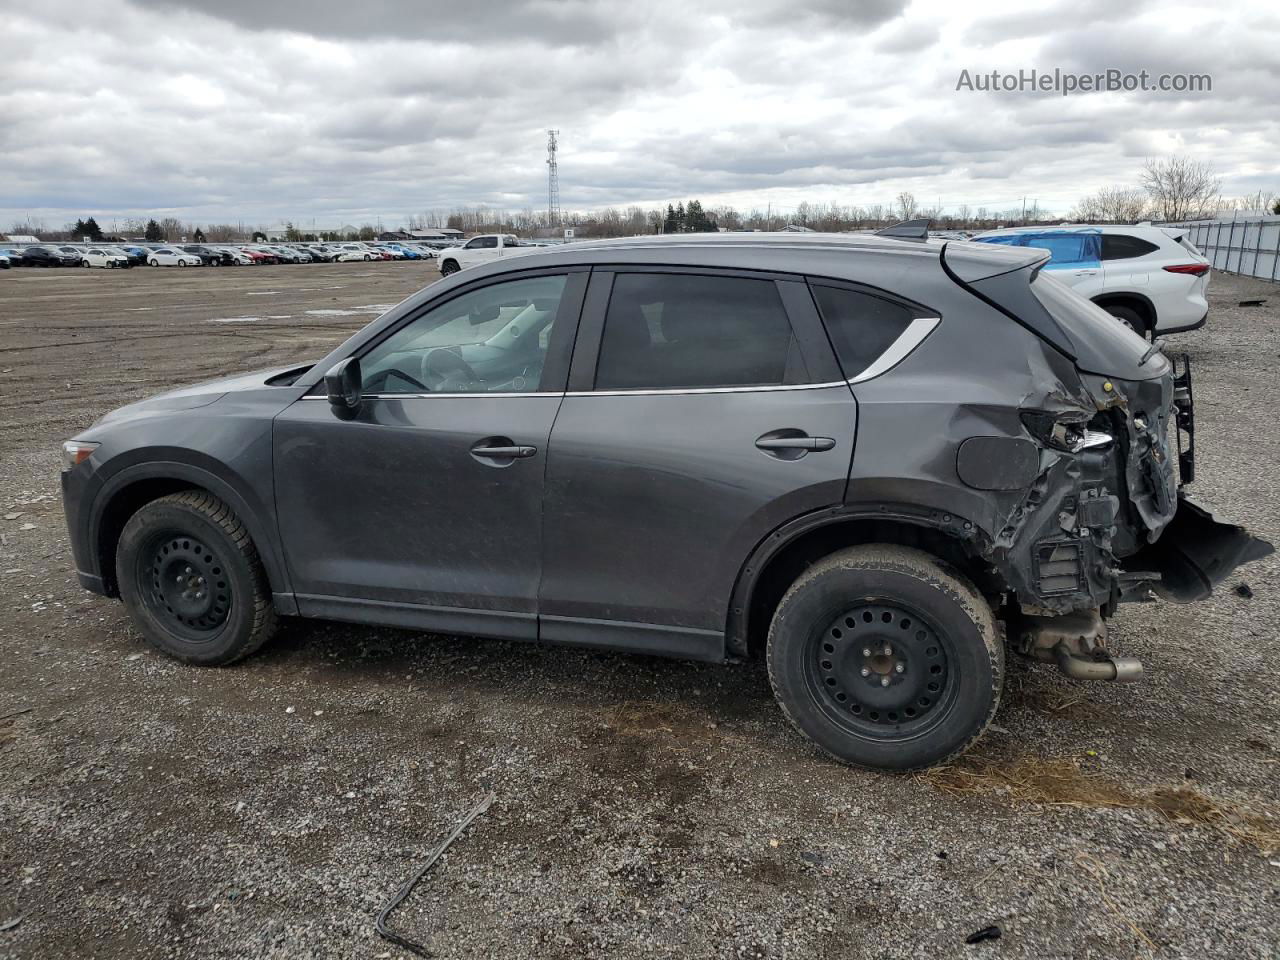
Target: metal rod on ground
x,y
381,924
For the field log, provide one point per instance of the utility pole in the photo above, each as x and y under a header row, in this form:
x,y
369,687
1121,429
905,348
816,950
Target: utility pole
x,y
553,180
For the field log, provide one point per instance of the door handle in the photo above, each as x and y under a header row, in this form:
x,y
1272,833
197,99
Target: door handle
x,y
792,445
513,452
500,451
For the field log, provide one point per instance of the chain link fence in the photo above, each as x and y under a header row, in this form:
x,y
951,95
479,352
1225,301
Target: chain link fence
x,y
1248,247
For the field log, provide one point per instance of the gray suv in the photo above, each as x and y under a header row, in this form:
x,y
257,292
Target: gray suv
x,y
874,461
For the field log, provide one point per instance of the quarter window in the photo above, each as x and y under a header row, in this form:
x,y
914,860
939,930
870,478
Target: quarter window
x,y
1121,246
670,331
491,340
861,325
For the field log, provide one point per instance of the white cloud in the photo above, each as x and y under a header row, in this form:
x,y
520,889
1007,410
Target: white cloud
x,y
346,112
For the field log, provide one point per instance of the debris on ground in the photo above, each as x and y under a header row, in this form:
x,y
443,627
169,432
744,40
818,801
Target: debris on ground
x,y
986,933
1243,590
407,887
1253,303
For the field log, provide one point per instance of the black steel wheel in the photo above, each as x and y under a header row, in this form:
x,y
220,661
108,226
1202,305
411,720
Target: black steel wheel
x,y
886,657
449,267
185,584
192,579
880,669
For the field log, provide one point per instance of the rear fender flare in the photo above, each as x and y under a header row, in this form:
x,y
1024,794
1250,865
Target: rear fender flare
x,y
966,532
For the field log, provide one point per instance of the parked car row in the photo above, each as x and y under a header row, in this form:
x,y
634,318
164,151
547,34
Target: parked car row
x,y
124,255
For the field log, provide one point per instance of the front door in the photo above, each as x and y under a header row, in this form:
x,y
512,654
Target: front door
x,y
713,414
424,509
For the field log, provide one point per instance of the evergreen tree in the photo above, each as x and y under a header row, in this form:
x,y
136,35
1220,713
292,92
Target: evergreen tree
x,y
92,230
153,232
198,236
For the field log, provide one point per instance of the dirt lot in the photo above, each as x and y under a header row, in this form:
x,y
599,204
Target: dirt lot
x,y
644,807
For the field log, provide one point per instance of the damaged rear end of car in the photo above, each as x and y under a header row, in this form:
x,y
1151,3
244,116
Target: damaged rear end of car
x,y
1102,514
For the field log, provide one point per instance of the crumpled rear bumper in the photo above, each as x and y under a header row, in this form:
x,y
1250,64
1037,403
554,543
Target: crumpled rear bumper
x,y
1194,553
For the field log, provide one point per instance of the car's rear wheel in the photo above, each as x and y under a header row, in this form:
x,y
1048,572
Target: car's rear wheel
x,y
1130,318
85,263
154,262
449,267
885,657
192,580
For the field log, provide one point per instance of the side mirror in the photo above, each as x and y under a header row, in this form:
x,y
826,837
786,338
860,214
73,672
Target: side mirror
x,y
344,385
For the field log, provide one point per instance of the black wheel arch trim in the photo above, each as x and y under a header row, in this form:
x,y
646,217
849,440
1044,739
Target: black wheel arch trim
x,y
1115,296
260,529
933,519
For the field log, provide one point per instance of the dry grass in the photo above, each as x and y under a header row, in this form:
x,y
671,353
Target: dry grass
x,y
1060,782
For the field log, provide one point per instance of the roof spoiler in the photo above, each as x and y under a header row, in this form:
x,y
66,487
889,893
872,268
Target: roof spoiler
x,y
907,230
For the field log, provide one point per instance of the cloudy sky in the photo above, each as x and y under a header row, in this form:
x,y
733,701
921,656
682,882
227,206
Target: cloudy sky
x,y
339,112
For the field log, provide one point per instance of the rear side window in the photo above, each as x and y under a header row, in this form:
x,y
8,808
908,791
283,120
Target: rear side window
x,y
669,331
1121,246
861,325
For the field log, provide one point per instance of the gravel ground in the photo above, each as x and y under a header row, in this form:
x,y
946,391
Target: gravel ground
x,y
643,807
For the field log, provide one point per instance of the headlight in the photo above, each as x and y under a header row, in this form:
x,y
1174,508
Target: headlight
x,y
75,452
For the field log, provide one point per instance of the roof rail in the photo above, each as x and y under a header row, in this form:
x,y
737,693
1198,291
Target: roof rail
x,y
907,230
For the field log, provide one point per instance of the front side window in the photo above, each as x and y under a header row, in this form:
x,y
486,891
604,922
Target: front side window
x,y
491,340
670,331
862,326
483,243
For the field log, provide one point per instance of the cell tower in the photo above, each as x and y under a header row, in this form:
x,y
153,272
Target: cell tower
x,y
553,181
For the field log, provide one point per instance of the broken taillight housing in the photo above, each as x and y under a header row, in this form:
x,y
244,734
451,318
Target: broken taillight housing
x,y
1194,269
1063,431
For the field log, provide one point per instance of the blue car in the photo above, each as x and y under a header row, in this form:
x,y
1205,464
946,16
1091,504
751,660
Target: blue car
x,y
409,252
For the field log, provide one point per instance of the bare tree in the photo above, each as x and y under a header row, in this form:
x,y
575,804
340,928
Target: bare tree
x,y
905,206
1262,201
1181,188
1112,205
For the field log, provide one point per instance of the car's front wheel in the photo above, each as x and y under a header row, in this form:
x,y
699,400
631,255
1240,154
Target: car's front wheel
x,y
85,263
449,267
886,657
154,262
192,580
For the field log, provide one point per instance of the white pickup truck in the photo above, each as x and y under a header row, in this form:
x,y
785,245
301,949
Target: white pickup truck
x,y
481,249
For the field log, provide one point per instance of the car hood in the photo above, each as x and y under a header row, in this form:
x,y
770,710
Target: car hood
x,y
195,395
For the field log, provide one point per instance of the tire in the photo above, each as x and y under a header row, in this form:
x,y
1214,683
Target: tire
x,y
449,267
154,262
86,264
221,610
926,637
1130,318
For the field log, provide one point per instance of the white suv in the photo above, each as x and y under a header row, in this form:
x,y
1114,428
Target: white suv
x,y
1151,278
482,249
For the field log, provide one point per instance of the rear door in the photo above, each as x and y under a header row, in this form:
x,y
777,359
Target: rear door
x,y
705,409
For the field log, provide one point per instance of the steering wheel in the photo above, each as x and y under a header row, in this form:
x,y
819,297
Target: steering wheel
x,y
384,377
443,362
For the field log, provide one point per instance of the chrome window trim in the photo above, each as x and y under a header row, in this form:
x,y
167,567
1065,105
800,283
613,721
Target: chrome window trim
x,y
899,350
428,396
676,391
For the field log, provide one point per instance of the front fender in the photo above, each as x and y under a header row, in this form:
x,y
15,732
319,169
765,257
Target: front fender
x,y
198,470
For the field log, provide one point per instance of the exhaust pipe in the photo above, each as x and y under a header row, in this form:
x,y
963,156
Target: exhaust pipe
x,y
1120,669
